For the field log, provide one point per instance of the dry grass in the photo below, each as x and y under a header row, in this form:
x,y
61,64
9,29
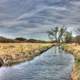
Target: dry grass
x,y
75,50
12,48
12,53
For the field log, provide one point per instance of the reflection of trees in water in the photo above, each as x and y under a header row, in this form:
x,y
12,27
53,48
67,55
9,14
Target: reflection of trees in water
x,y
59,54
58,50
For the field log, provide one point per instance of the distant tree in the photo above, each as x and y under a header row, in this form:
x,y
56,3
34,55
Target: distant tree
x,y
57,33
61,33
52,34
68,37
77,39
78,30
20,39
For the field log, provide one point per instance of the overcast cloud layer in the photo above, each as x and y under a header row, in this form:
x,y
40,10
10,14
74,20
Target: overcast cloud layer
x,y
32,18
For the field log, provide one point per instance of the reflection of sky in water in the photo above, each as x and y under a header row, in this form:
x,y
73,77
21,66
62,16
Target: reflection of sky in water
x,y
48,66
28,17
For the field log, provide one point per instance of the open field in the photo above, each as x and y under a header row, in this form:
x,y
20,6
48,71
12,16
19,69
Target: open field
x,y
12,53
75,50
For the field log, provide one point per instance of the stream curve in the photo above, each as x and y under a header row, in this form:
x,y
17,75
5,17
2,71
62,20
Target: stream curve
x,y
54,64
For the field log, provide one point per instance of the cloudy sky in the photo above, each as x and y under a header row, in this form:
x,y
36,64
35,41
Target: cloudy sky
x,y
32,18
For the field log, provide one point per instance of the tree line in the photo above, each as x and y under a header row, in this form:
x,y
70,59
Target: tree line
x,y
62,35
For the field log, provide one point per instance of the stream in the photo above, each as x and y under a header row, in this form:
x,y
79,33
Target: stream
x,y
54,64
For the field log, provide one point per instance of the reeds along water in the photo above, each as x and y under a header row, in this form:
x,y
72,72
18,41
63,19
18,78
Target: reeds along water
x,y
19,52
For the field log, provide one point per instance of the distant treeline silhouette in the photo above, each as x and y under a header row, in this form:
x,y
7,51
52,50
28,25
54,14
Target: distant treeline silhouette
x,y
21,40
75,39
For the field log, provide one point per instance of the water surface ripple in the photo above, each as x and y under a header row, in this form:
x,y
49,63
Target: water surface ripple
x,y
53,64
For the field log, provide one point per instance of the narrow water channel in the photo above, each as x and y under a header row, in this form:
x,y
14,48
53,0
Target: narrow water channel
x,y
53,64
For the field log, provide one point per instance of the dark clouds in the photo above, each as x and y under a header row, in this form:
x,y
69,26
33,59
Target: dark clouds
x,y
28,17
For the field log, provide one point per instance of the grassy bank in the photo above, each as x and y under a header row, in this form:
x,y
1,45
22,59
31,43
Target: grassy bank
x,y
12,53
75,50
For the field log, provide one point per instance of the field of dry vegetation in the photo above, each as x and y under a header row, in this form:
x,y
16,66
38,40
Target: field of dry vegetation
x,y
12,53
75,50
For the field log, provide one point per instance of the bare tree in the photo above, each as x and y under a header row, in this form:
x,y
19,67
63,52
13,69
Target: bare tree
x,y
61,33
57,33
68,37
52,34
78,30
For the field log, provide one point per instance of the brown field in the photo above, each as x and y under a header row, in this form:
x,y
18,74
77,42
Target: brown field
x,y
75,50
11,53
11,48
